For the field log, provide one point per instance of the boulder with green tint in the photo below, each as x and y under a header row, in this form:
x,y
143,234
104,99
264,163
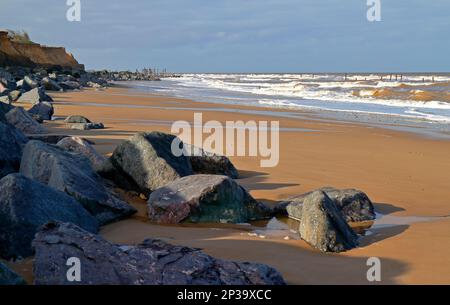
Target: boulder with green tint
x,y
204,198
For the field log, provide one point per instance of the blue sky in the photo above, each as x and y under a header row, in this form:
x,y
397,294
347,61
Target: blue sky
x,y
243,35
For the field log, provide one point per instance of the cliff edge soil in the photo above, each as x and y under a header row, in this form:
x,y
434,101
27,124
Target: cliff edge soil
x,y
13,53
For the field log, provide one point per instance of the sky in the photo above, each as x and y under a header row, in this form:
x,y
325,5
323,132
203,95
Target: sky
x,y
242,35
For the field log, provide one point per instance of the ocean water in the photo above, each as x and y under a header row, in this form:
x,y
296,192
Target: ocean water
x,y
425,98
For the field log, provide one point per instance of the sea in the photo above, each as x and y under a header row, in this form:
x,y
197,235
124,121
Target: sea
x,y
415,100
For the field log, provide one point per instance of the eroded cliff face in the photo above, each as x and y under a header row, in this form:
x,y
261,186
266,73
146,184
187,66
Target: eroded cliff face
x,y
33,54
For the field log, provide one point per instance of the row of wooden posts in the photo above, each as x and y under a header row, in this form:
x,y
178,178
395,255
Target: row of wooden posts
x,y
391,77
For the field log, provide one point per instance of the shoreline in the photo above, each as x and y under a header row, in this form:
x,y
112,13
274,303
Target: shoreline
x,y
419,126
341,154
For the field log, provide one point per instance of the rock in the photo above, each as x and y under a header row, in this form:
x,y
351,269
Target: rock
x,y
23,121
5,99
93,85
87,126
73,174
108,171
15,95
50,84
4,108
34,96
77,119
43,109
50,139
204,198
26,205
81,146
7,83
53,76
204,162
11,145
355,205
323,226
154,262
29,83
19,84
70,85
148,160
37,118
9,277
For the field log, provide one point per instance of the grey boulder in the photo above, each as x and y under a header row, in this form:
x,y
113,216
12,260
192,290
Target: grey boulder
x,y
50,84
9,277
48,138
34,96
77,119
26,205
15,95
204,162
73,174
70,85
23,121
323,226
11,146
87,126
354,204
29,83
154,262
148,160
81,146
43,109
204,198
5,99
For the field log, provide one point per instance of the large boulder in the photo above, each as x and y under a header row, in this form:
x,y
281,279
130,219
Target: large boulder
x,y
29,83
50,84
5,100
77,119
204,198
23,121
148,160
354,204
70,85
11,145
15,95
43,109
81,146
87,126
4,108
73,174
34,96
154,262
26,205
323,226
7,82
9,277
48,138
204,162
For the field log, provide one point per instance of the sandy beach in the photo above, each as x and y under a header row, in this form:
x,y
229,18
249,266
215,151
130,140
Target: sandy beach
x,y
405,175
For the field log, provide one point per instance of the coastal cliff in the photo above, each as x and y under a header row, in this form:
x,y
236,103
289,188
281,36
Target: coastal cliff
x,y
30,54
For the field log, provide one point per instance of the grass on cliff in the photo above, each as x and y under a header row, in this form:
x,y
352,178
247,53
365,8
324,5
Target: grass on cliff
x,y
20,37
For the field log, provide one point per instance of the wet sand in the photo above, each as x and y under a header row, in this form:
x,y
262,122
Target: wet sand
x,y
403,173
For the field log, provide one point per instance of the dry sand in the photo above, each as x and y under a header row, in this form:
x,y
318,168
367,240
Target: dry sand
x,y
404,174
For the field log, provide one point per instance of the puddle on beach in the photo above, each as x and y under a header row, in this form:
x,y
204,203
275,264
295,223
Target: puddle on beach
x,y
287,228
